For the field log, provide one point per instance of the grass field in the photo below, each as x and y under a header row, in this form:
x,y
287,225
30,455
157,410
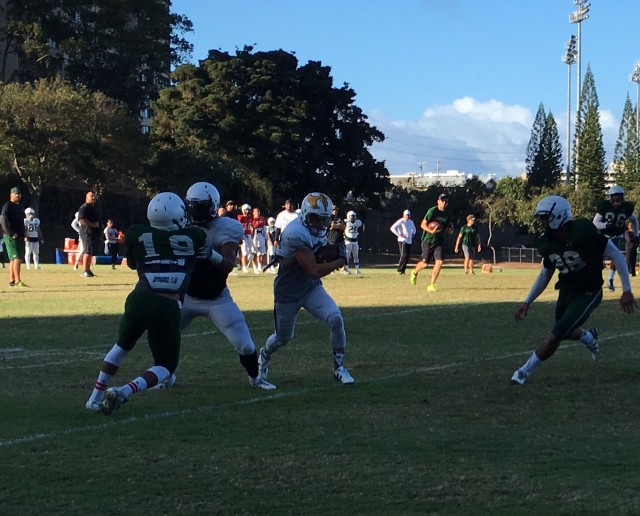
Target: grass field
x,y
432,425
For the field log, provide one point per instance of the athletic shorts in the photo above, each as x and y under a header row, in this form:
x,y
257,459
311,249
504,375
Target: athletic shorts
x,y
14,247
573,309
469,251
431,252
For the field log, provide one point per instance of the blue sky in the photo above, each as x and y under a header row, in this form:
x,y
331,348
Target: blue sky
x,y
454,84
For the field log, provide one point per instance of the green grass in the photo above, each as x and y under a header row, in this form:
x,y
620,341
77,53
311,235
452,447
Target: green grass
x,y
431,426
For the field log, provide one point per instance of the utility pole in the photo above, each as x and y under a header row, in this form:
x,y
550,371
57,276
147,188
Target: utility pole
x,y
569,58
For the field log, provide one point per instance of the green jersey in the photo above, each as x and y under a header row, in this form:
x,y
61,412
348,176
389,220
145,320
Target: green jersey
x,y
443,218
164,259
578,257
615,217
469,235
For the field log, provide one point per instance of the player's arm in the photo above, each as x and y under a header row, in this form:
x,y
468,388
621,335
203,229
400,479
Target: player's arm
x,y
599,222
228,251
307,260
627,301
634,221
455,247
538,287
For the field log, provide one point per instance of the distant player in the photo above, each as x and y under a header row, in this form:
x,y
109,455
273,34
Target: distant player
x,y
164,255
352,228
246,247
611,219
259,240
272,244
32,238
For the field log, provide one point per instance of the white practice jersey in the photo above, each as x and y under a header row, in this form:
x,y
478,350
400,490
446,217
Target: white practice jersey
x,y
352,230
292,283
31,227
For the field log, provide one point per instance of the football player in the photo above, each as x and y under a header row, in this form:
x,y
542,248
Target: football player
x,y
576,249
164,255
611,219
208,294
351,232
32,238
272,243
246,247
432,240
299,285
259,241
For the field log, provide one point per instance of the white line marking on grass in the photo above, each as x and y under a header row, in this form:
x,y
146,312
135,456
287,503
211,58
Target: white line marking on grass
x,y
258,399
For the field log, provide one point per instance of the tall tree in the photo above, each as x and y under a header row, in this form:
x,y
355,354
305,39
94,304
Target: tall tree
x,y
283,128
588,150
121,48
535,141
51,131
544,153
626,156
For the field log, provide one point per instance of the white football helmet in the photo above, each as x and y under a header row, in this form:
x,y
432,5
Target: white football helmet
x,y
30,211
271,221
245,207
318,204
616,190
202,200
351,216
167,211
554,210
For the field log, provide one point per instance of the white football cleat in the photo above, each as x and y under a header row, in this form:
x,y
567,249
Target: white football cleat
x,y
166,384
343,376
94,406
518,378
263,364
594,349
261,383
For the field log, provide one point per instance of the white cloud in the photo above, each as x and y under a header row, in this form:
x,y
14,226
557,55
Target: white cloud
x,y
468,135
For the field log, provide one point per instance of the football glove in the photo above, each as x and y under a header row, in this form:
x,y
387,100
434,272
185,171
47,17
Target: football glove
x,y
206,253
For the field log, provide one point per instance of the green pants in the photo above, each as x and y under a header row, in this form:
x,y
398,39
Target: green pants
x,y
573,309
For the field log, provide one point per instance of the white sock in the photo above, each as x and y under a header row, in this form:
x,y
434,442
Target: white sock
x,y
530,365
611,274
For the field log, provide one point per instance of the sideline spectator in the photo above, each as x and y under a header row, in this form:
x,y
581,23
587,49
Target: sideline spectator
x,y
351,232
90,232
335,235
32,238
259,240
404,229
246,247
111,242
470,243
285,216
12,220
75,224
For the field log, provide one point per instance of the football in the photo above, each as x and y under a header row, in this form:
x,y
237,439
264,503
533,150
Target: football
x,y
327,253
434,225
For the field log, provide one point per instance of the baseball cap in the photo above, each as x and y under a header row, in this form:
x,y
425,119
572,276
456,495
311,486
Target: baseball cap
x,y
442,196
470,217
232,203
406,212
16,190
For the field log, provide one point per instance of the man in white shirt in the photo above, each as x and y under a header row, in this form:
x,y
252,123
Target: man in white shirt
x,y
404,229
285,216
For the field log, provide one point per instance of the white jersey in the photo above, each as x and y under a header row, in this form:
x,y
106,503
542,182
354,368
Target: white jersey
x,y
293,284
31,228
352,230
75,224
284,218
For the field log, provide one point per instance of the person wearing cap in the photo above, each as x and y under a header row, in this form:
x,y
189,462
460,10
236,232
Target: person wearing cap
x,y
404,229
12,220
335,235
470,243
285,216
230,209
432,240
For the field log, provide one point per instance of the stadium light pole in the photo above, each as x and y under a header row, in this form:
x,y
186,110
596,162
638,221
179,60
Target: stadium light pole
x,y
635,77
569,58
578,16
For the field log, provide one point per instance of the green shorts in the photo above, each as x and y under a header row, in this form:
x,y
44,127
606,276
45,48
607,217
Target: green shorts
x,y
14,247
573,309
159,316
